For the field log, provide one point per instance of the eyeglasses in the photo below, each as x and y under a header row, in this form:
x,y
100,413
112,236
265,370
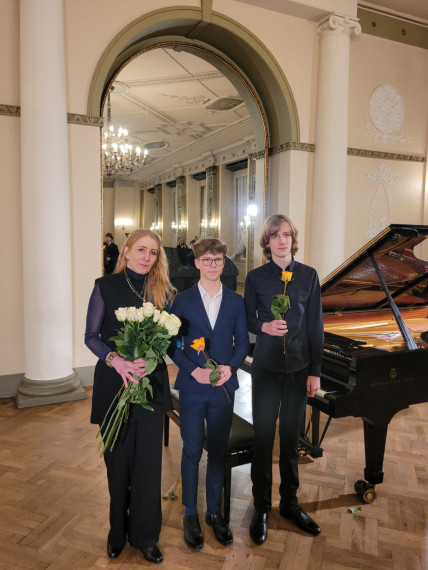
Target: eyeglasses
x,y
208,262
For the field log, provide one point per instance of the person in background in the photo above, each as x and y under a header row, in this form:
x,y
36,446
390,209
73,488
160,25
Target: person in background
x,y
134,465
111,253
210,312
285,370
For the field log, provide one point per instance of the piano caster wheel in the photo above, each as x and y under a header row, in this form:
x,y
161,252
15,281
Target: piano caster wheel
x,y
365,491
302,451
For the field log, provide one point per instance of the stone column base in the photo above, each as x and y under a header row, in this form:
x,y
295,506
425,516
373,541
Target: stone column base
x,y
41,392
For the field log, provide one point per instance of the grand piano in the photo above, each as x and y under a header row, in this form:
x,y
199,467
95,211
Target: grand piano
x,y
375,359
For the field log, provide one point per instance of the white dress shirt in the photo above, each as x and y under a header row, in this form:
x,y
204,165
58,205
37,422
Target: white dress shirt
x,y
211,304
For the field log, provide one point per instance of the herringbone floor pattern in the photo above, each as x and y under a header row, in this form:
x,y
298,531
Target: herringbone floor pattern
x,y
54,501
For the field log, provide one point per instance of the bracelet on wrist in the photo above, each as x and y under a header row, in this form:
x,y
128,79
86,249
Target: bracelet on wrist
x,y
110,357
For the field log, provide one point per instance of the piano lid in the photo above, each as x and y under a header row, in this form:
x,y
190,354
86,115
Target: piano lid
x,y
355,285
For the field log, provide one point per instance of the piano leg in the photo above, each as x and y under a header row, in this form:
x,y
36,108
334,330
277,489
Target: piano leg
x,y
312,445
374,441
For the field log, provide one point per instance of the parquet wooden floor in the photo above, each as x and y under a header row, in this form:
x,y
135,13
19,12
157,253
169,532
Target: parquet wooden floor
x,y
54,501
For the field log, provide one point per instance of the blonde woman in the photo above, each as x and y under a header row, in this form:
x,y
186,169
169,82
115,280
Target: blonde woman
x,y
134,466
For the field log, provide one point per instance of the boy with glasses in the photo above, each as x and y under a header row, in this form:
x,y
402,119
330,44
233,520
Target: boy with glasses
x,y
215,316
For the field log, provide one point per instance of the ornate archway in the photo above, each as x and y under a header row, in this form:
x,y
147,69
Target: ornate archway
x,y
225,44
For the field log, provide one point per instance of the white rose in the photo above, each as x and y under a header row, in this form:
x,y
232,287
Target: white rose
x,y
132,314
148,309
140,315
172,324
121,313
163,317
156,315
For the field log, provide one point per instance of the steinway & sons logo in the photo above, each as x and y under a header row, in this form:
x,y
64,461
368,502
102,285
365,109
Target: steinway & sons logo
x,y
393,378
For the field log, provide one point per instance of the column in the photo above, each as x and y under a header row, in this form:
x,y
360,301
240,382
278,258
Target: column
x,y
181,208
46,257
212,202
331,140
158,220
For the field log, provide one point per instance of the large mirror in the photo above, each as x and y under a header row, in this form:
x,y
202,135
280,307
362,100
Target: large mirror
x,y
182,154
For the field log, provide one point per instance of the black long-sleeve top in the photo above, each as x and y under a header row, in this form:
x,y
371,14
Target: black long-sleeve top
x,y
96,314
305,336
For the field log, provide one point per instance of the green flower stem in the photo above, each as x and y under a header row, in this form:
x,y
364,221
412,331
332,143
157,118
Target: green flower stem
x,y
133,394
215,374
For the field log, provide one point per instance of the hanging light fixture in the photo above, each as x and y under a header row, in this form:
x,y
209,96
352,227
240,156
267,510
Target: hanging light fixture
x,y
118,155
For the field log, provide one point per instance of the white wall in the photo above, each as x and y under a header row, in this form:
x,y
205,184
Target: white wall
x,y
293,43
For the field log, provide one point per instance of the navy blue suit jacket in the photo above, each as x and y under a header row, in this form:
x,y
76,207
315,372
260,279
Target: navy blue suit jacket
x,y
227,343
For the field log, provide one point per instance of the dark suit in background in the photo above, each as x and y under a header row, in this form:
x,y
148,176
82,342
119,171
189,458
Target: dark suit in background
x,y
111,254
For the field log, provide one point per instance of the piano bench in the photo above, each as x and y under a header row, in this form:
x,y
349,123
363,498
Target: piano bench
x,y
239,447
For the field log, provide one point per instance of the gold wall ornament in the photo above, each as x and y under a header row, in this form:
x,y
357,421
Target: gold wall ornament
x,y
10,110
77,119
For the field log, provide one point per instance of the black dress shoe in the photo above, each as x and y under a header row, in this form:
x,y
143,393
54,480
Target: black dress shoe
x,y
192,532
221,531
152,554
258,527
303,520
112,551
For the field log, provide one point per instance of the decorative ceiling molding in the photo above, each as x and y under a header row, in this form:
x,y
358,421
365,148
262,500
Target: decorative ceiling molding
x,y
233,154
238,165
178,79
151,168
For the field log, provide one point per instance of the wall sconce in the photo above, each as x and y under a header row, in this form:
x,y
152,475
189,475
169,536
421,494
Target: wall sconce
x,y
182,226
156,227
245,223
125,224
204,223
174,226
252,210
213,223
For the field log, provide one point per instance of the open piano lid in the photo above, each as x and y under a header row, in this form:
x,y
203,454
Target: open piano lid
x,y
355,285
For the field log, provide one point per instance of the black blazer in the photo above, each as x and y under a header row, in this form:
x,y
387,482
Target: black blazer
x,y
227,343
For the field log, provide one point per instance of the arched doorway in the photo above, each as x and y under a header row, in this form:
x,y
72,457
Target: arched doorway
x,y
232,50
228,45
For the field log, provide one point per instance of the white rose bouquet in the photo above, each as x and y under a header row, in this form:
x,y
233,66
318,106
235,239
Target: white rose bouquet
x,y
146,333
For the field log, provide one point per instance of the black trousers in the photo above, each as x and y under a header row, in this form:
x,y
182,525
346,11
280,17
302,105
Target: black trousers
x,y
273,394
134,480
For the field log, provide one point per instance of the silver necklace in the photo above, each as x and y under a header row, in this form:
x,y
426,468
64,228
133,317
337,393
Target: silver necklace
x,y
140,295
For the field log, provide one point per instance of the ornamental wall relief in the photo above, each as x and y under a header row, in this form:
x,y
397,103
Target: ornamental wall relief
x,y
380,208
386,110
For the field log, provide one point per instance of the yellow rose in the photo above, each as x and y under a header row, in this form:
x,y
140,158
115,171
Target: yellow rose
x,y
286,276
198,344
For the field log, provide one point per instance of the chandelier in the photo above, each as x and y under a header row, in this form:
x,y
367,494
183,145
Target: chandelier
x,y
119,157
